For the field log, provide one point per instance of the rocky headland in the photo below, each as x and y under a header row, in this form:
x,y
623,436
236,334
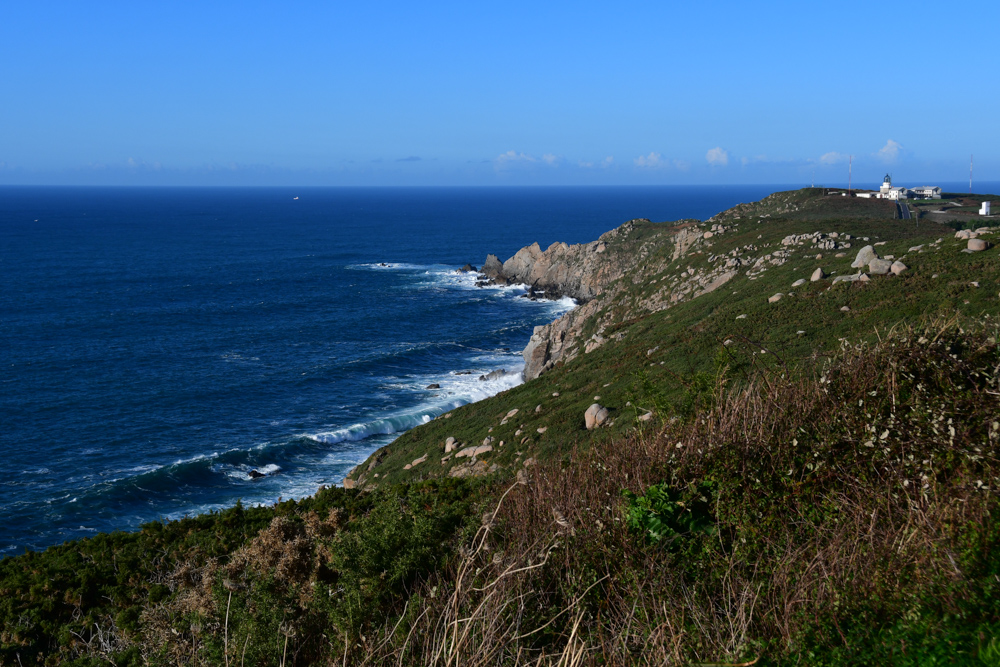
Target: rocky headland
x,y
784,415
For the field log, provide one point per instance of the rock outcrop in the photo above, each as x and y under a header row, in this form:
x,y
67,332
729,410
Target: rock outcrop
x,y
556,340
578,271
598,276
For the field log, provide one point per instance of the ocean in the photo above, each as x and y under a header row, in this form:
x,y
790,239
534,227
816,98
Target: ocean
x,y
159,344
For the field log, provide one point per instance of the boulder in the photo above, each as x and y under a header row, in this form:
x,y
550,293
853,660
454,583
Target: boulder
x,y
468,268
898,267
879,267
865,256
975,245
542,429
349,483
493,375
450,445
965,234
818,274
255,474
511,413
775,298
646,417
799,282
595,415
538,408
850,278
434,385
473,451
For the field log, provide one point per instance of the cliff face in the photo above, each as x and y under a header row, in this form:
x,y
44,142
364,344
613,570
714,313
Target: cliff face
x,y
641,268
602,275
579,271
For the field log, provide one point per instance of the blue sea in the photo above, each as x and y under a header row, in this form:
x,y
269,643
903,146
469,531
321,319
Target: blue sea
x,y
159,344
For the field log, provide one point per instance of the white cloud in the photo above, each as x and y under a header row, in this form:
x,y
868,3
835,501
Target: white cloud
x,y
890,151
604,164
653,160
682,165
514,156
549,159
717,156
133,164
833,157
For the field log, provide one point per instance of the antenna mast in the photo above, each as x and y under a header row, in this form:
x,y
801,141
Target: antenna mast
x,y
970,174
850,169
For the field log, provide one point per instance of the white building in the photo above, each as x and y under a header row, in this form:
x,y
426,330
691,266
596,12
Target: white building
x,y
886,191
927,192
985,210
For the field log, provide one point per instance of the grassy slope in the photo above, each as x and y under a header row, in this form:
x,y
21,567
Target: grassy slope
x,y
345,564
690,335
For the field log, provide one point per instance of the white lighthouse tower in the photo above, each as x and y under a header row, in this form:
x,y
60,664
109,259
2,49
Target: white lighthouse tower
x,y
886,191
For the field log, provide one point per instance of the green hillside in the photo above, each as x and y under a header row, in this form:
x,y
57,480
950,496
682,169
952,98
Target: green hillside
x,y
804,480
689,338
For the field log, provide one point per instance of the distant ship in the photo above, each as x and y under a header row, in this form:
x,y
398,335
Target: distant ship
x,y
294,197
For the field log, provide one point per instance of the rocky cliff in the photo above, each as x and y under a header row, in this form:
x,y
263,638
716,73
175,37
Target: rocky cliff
x,y
600,275
579,271
643,267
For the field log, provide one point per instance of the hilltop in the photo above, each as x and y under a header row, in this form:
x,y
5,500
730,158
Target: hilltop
x,y
793,460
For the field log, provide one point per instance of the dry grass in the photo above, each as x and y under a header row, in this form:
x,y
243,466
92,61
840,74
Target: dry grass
x,y
842,500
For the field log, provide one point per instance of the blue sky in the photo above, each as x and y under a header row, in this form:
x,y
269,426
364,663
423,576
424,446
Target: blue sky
x,y
389,93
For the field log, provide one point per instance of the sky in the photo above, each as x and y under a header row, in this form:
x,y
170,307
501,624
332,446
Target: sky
x,y
490,93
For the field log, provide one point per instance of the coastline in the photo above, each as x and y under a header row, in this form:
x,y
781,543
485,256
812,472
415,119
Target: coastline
x,y
508,378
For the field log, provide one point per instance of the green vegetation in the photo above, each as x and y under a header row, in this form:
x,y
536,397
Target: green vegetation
x,y
817,485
